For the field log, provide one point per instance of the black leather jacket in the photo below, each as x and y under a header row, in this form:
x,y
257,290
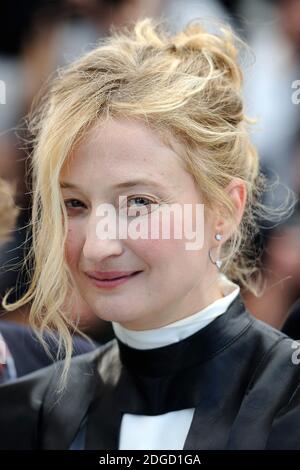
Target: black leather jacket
x,y
241,376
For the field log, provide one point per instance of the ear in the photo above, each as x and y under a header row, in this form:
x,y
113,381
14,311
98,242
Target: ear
x,y
237,192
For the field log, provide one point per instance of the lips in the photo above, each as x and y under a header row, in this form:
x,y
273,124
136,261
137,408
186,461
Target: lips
x,y
110,275
114,281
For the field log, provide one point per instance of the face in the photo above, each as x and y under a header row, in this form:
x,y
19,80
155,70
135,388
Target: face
x,y
127,158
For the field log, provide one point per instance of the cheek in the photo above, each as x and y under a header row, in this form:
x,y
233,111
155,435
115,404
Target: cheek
x,y
174,251
73,245
172,271
161,254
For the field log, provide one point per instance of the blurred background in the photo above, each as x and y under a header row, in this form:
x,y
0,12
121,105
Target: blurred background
x,y
37,36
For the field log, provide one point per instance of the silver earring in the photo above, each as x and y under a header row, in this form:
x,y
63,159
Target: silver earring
x,y
218,262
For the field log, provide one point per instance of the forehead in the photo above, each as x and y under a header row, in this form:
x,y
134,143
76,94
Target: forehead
x,y
117,149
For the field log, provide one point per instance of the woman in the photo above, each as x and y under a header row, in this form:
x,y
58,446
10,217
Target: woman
x,y
145,123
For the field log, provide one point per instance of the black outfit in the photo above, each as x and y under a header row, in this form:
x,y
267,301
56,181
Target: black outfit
x,y
292,325
237,372
28,353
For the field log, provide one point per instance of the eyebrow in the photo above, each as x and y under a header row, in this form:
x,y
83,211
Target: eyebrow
x,y
125,184
66,184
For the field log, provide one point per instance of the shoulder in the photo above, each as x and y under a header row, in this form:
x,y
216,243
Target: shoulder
x,y
292,325
35,397
20,405
276,387
269,414
276,346
276,355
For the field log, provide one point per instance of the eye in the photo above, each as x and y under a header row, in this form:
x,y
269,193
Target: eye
x,y
74,204
139,205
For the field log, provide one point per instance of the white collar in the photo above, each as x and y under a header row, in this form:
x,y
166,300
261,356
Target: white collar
x,y
178,330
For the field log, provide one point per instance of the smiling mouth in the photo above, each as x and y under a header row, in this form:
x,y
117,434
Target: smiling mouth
x,y
114,281
122,277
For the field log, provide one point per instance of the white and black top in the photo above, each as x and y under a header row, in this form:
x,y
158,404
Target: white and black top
x,y
168,430
220,379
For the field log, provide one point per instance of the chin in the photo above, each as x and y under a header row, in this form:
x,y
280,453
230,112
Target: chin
x,y
119,314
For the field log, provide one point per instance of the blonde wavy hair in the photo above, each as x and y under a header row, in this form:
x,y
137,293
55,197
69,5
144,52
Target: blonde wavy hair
x,y
186,85
8,211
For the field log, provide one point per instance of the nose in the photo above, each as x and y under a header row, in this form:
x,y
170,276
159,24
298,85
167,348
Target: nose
x,y
96,249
